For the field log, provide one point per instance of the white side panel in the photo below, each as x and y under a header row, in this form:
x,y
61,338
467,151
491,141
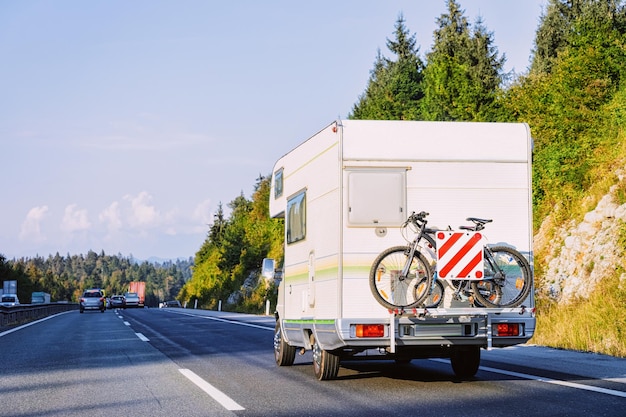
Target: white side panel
x,y
310,269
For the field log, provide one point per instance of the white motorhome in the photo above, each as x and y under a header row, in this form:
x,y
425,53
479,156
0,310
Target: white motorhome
x,y
343,195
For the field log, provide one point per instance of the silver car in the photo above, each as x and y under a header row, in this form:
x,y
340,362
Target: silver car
x,y
117,301
132,300
92,300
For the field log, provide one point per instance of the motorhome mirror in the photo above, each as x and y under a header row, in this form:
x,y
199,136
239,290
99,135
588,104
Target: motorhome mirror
x,y
268,268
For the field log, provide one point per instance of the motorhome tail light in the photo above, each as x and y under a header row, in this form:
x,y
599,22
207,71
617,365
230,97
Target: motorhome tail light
x,y
370,330
508,329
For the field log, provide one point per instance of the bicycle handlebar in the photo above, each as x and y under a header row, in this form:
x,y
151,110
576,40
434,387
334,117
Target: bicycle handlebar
x,y
416,218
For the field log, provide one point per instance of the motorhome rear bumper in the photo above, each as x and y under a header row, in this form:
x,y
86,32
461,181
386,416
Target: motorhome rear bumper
x,y
406,331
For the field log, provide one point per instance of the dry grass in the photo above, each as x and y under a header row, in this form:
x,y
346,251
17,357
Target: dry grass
x,y
596,324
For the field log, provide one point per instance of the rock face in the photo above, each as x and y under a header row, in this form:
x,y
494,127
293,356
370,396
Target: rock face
x,y
580,255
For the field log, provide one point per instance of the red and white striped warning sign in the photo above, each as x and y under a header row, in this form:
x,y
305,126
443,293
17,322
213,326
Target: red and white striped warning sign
x,y
459,255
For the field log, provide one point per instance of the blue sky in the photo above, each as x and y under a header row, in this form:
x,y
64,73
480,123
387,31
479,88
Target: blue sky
x,y
123,124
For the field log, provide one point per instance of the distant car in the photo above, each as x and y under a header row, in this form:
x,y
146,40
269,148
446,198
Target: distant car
x,y
132,300
171,304
9,300
92,300
117,301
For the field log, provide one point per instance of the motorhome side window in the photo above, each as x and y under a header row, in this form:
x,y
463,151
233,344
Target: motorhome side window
x,y
278,183
296,218
376,197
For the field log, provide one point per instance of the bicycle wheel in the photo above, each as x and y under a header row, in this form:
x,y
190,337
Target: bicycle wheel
x,y
390,288
435,295
507,281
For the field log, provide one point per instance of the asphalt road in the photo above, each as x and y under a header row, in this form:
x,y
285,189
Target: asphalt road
x,y
181,362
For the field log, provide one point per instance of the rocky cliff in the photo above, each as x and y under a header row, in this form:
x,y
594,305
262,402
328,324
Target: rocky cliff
x,y
579,255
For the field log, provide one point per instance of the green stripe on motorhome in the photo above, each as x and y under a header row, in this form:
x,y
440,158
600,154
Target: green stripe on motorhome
x,y
328,273
309,321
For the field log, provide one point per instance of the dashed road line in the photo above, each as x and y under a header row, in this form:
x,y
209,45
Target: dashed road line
x,y
216,394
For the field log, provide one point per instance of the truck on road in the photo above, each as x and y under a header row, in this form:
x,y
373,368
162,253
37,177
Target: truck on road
x,y
40,297
344,194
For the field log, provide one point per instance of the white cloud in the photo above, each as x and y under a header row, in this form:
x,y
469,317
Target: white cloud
x,y
31,227
202,213
143,215
112,217
74,219
202,216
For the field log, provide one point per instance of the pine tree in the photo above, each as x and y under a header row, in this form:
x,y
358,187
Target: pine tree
x,y
394,89
570,23
217,229
463,72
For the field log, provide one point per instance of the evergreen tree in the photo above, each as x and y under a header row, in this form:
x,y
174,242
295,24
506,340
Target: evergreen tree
x,y
394,89
463,72
217,229
551,36
570,23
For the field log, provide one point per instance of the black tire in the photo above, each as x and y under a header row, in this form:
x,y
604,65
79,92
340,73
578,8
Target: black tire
x,y
465,361
435,295
503,291
284,354
325,364
393,291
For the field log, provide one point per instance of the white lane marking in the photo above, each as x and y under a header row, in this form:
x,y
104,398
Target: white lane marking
x,y
127,323
225,321
557,382
142,337
226,402
549,380
6,332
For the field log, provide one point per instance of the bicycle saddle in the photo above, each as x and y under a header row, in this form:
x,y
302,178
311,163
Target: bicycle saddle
x,y
479,224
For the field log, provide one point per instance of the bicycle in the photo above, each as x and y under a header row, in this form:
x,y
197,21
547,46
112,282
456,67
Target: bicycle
x,y
506,274
401,276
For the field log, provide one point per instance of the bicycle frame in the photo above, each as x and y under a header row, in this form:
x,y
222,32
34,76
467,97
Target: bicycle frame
x,y
413,246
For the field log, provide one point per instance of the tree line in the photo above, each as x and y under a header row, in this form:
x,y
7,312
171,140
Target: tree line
x,y
66,277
